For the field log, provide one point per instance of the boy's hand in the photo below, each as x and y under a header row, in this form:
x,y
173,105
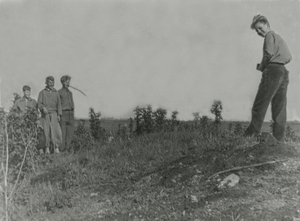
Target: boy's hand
x,y
58,118
45,110
258,67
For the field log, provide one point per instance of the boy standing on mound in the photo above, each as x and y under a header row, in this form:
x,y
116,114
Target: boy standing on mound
x,y
274,81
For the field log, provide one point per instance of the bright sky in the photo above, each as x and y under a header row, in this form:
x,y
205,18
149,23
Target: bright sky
x,y
178,55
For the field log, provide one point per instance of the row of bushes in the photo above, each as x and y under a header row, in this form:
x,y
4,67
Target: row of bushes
x,y
146,121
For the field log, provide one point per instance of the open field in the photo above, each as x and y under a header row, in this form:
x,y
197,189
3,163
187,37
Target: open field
x,y
163,176
193,57
112,124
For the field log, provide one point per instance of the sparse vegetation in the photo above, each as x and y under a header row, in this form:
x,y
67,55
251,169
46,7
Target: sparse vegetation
x,y
154,168
97,131
18,153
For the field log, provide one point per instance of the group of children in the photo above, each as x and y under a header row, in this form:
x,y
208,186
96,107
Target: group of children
x,y
57,113
57,107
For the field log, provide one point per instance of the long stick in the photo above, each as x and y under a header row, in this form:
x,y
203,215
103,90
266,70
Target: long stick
x,y
243,167
77,90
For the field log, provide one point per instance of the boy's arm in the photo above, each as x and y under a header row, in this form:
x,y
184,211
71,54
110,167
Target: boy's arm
x,y
40,105
72,100
59,108
268,51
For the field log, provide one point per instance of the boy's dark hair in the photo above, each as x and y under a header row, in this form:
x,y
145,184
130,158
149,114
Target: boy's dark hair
x,y
49,78
65,78
26,87
259,18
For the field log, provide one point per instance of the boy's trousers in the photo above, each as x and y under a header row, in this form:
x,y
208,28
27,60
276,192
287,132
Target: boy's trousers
x,y
67,127
272,89
52,129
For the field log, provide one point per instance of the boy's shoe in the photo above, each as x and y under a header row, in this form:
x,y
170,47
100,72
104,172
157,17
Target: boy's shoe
x,y
56,150
41,151
266,137
47,151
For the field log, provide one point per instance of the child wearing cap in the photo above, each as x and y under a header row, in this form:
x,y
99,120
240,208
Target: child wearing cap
x,y
25,103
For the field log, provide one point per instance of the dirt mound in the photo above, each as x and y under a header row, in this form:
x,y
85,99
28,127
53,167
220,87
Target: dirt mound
x,y
210,162
260,153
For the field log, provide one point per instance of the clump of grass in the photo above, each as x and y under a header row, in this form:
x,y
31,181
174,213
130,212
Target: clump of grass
x,y
290,135
150,121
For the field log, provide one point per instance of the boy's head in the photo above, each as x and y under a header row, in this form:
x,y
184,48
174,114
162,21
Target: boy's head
x,y
65,81
50,82
26,91
261,25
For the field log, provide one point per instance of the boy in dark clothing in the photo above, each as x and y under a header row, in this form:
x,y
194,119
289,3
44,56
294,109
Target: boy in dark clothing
x,y
274,82
67,118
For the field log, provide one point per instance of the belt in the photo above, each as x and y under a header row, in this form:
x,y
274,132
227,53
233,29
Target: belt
x,y
68,110
276,63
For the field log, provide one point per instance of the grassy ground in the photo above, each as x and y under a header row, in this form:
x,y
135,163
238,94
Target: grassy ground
x,y
164,176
